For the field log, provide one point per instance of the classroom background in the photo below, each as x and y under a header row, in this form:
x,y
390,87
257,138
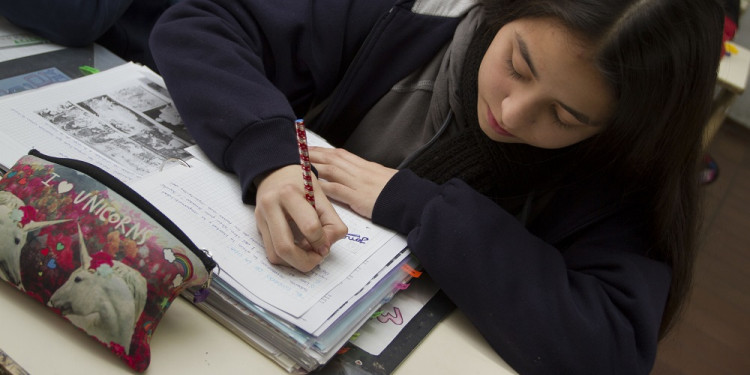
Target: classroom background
x,y
714,334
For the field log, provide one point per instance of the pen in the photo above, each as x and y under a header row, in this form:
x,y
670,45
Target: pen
x,y
304,160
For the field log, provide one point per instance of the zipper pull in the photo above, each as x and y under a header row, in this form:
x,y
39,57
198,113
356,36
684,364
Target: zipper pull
x,y
201,294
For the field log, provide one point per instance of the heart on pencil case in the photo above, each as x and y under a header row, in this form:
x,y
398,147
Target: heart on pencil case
x,y
64,187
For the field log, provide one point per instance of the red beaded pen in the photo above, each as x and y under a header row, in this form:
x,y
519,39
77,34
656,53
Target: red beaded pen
x,y
304,159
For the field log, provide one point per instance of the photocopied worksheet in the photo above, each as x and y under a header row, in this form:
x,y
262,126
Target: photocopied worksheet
x,y
121,120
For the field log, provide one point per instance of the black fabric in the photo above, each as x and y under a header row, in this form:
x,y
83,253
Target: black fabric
x,y
128,193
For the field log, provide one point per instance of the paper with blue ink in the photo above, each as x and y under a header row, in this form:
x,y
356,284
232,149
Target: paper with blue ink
x,y
214,196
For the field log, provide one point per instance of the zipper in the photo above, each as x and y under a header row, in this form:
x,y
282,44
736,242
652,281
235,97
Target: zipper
x,y
340,92
131,195
405,163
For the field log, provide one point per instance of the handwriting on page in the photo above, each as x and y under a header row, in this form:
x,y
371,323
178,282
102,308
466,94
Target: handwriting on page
x,y
356,238
239,243
205,203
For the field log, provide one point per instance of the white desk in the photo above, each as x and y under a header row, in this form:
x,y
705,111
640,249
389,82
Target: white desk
x,y
189,342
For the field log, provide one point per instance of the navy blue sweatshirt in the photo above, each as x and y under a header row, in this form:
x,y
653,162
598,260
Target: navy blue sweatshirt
x,y
572,292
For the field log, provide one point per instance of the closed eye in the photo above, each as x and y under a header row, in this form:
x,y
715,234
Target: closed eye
x,y
557,120
559,123
512,70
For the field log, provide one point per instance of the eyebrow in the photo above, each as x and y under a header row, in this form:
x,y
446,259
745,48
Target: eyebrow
x,y
524,49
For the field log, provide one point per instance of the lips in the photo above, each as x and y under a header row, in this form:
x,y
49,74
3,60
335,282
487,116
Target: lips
x,y
495,126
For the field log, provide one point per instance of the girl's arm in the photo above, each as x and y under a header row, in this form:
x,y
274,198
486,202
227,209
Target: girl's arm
x,y
73,23
594,307
240,72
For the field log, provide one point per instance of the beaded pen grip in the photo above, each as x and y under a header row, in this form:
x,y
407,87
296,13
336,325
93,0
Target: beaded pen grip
x,y
304,158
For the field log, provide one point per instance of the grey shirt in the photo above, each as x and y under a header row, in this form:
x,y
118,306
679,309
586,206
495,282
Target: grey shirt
x,y
419,107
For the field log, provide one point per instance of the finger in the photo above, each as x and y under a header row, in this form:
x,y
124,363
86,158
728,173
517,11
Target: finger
x,y
311,230
334,173
339,165
334,228
338,191
333,162
360,203
281,248
296,255
265,234
329,154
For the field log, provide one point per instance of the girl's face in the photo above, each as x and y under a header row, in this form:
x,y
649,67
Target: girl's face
x,y
538,85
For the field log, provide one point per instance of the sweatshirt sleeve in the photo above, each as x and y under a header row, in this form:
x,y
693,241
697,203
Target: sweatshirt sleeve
x,y
593,308
240,72
73,23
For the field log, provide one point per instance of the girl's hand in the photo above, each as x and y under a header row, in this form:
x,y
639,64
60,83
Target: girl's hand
x,y
294,233
350,179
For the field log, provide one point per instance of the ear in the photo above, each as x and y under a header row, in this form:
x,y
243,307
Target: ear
x,y
9,199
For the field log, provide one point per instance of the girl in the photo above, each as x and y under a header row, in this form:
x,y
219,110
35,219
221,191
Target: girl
x,y
540,155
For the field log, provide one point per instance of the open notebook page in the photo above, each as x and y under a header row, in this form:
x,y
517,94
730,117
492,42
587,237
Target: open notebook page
x,y
206,204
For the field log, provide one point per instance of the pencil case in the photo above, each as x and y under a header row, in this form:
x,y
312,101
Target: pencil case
x,y
92,250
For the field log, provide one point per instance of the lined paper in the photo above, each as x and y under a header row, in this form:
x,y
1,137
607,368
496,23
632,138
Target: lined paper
x,y
206,203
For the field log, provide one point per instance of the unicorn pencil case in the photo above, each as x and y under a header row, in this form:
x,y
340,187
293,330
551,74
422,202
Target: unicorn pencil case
x,y
92,250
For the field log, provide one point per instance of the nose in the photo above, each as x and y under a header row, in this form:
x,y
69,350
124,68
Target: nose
x,y
518,111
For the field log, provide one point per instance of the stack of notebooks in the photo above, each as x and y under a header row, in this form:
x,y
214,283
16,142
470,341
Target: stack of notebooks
x,y
123,121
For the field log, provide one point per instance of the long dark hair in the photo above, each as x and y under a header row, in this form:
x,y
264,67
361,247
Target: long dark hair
x,y
660,58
